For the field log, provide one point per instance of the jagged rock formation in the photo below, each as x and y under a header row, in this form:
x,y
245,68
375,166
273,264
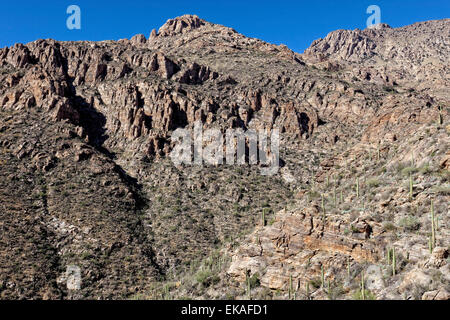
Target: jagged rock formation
x,y
85,131
181,25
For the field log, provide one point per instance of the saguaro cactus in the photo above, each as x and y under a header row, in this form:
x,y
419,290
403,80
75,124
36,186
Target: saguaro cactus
x,y
410,187
388,256
291,289
363,293
329,292
249,289
323,205
433,228
166,292
348,267
394,262
307,290
334,196
322,276
357,187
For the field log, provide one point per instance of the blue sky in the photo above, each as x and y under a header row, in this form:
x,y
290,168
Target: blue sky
x,y
294,23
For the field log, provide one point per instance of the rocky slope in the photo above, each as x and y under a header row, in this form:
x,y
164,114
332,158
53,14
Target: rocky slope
x,y
413,56
85,133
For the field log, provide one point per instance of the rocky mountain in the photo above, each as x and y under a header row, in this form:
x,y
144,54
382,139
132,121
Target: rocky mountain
x,y
413,56
86,132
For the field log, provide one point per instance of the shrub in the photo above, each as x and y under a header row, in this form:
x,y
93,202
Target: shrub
x,y
204,277
389,89
373,183
316,282
409,223
314,194
357,295
444,175
254,281
444,189
425,169
388,226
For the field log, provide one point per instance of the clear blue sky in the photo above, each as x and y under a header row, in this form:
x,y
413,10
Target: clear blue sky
x,y
294,23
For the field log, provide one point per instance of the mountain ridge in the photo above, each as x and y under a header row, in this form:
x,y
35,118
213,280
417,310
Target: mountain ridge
x,y
85,134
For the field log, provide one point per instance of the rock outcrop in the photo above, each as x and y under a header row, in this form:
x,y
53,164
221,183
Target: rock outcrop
x,y
180,25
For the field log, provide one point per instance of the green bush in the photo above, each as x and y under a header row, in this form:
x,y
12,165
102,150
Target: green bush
x,y
316,282
389,226
409,223
443,189
254,281
373,183
357,295
314,194
204,277
425,169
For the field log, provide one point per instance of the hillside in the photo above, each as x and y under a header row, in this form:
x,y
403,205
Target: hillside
x,y
87,181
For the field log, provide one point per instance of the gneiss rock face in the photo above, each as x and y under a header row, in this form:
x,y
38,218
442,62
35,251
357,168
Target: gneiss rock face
x,y
86,127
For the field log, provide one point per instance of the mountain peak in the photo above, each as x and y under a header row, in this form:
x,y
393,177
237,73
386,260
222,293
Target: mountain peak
x,y
180,25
